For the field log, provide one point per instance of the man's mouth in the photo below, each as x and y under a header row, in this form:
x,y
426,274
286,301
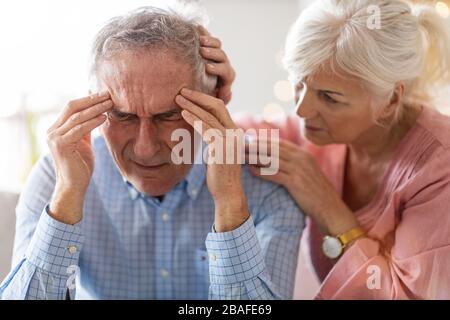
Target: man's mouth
x,y
149,167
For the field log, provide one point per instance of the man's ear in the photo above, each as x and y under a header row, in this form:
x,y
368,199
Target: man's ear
x,y
394,102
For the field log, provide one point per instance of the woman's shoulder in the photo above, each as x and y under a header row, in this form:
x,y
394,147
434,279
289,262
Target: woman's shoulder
x,y
427,142
437,125
425,157
430,145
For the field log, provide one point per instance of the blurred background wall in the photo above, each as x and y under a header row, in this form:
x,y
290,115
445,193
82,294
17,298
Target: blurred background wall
x,y
44,51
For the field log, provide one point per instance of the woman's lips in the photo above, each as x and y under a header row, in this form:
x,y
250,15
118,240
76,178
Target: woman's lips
x,y
311,128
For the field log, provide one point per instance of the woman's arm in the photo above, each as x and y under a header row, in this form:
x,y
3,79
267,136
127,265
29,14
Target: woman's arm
x,y
411,262
415,265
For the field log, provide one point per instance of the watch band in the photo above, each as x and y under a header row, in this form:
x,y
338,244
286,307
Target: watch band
x,y
350,235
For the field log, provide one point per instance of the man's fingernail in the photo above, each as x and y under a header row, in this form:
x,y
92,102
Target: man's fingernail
x,y
185,91
211,65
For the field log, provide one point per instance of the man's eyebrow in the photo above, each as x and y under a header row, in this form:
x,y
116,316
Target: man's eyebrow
x,y
171,111
117,111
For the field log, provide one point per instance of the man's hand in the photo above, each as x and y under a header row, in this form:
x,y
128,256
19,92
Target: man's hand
x,y
69,140
219,66
223,180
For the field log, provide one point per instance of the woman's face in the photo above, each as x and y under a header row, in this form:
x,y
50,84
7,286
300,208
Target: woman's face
x,y
333,109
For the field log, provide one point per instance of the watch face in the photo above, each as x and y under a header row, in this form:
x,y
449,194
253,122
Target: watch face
x,y
331,247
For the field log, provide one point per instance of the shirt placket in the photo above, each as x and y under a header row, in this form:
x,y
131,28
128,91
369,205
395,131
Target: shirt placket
x,y
164,236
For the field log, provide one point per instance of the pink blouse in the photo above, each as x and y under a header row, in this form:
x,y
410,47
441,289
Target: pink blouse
x,y
406,254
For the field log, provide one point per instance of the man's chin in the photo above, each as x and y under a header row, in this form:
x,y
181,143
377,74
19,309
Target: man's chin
x,y
153,187
156,184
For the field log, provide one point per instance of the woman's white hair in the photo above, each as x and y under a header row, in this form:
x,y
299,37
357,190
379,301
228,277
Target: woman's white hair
x,y
381,42
174,28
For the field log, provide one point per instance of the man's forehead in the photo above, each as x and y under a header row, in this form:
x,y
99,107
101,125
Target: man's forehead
x,y
151,69
148,102
145,82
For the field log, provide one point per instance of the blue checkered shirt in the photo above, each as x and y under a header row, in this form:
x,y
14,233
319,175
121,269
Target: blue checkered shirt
x,y
132,246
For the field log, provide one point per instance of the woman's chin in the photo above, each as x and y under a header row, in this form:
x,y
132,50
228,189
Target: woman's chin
x,y
317,138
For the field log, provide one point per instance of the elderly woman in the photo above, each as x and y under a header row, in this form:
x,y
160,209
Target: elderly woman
x,y
371,167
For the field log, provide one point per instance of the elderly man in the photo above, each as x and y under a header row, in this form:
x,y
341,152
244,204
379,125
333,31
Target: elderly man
x,y
139,226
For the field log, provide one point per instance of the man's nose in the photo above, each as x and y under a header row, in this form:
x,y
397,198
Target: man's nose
x,y
147,141
305,105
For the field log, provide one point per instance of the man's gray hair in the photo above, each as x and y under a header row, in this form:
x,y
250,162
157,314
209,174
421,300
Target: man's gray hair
x,y
154,28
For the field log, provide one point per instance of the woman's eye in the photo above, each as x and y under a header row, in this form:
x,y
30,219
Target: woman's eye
x,y
329,99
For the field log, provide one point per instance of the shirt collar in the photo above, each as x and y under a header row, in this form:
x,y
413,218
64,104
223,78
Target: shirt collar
x,y
132,191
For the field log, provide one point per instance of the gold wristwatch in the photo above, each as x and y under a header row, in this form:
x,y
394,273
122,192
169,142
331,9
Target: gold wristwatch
x,y
333,247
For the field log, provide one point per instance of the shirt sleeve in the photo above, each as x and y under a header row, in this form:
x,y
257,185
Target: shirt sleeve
x,y
258,259
49,264
43,247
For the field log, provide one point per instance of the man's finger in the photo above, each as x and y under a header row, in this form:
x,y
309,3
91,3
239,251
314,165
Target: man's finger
x,y
203,31
191,118
208,41
199,112
78,132
214,54
212,105
223,70
77,105
85,115
225,94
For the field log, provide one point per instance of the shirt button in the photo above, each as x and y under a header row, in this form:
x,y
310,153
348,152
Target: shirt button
x,y
164,273
194,192
165,216
212,257
72,249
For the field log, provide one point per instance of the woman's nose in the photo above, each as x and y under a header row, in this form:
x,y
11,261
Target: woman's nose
x,y
305,104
